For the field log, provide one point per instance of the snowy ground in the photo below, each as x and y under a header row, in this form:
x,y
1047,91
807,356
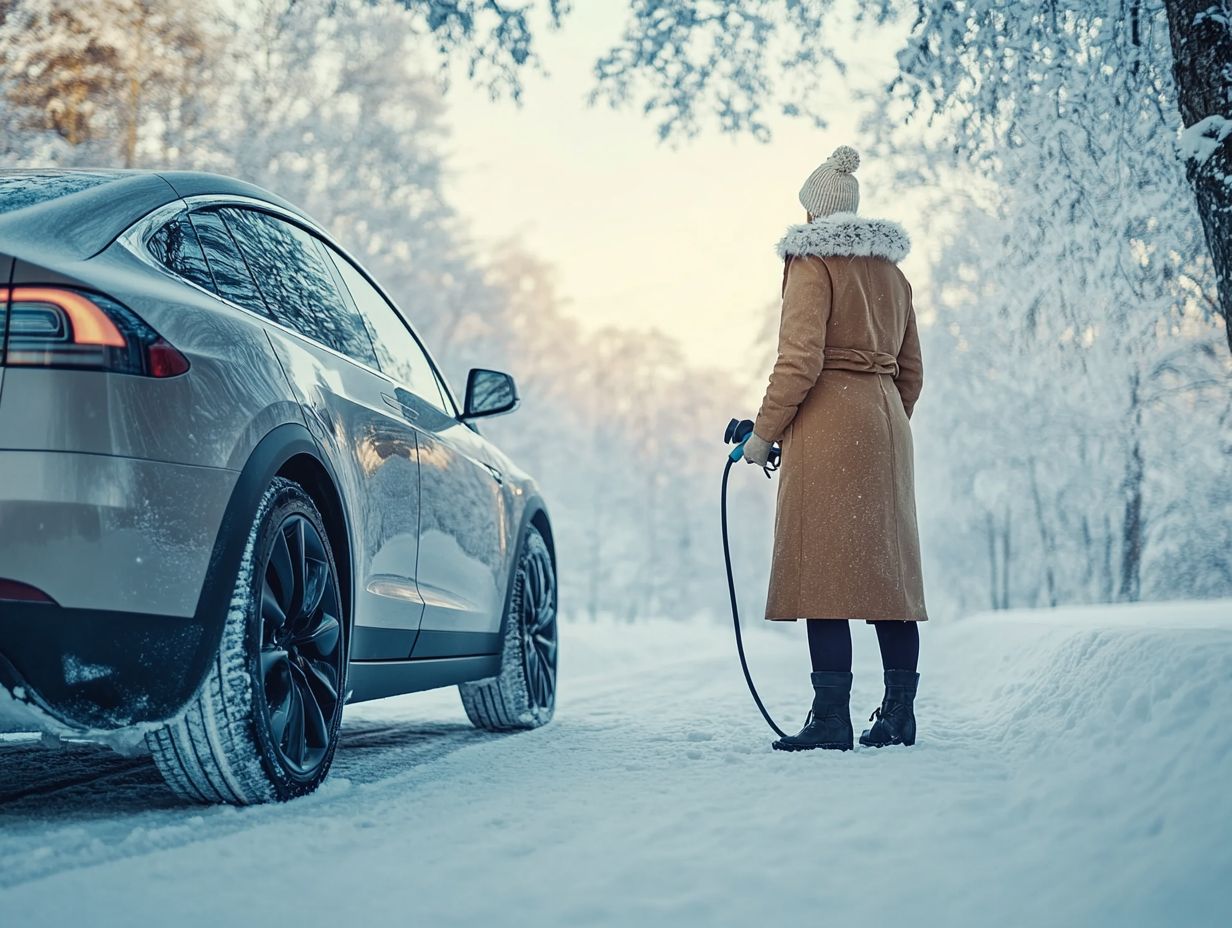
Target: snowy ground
x,y
1073,769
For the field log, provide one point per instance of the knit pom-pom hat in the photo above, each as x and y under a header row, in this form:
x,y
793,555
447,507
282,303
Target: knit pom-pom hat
x,y
833,188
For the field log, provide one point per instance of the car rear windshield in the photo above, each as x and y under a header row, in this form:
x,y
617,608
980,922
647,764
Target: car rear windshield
x,y
29,188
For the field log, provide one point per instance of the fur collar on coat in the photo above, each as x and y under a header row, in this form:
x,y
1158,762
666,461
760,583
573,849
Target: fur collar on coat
x,y
846,235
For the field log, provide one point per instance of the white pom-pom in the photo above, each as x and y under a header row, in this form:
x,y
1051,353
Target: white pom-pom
x,y
845,159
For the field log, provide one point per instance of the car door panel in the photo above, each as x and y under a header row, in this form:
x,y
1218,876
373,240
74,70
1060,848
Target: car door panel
x,y
463,548
463,545
380,476
374,448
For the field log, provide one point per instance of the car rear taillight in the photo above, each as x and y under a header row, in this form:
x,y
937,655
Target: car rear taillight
x,y
13,591
61,327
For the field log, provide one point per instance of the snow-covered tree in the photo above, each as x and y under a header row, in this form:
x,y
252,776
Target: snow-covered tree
x,y
995,74
94,74
1071,349
683,61
1202,64
1074,301
493,40
623,435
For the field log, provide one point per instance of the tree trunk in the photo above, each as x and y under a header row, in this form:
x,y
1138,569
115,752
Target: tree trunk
x,y
1132,526
991,527
1108,585
1201,32
1047,546
1131,547
1005,567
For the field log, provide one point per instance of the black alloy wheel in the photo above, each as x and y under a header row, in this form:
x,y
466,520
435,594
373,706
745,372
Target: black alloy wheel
x,y
538,622
264,724
522,695
301,653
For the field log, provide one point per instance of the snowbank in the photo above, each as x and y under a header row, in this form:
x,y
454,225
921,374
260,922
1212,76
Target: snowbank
x,y
1072,769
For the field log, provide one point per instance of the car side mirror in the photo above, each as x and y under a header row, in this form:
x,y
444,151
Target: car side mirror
x,y
489,393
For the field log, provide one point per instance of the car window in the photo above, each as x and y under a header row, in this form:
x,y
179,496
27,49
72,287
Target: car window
x,y
297,284
397,349
232,279
446,399
176,248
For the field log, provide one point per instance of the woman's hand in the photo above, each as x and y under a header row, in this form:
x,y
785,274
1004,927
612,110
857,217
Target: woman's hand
x,y
757,450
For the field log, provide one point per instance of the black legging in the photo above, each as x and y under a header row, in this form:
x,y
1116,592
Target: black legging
x,y
830,644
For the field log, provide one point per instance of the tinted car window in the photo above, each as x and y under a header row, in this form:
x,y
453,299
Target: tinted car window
x,y
397,349
28,188
232,279
176,248
290,267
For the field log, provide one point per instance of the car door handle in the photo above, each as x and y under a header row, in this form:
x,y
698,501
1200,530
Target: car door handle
x,y
401,405
496,474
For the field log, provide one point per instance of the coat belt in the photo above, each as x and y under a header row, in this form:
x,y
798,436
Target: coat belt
x,y
858,359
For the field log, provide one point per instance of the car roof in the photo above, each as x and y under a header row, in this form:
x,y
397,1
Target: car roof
x,y
202,183
87,220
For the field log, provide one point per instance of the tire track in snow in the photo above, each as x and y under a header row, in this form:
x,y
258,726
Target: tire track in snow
x,y
111,814
30,771
88,805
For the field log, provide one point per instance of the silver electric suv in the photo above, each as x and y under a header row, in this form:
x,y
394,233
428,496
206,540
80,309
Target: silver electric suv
x,y
236,492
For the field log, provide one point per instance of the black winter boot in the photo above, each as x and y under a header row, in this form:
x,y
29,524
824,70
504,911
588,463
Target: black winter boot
x,y
829,724
895,717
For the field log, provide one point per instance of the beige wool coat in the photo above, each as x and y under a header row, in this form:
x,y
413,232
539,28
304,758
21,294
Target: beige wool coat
x,y
847,377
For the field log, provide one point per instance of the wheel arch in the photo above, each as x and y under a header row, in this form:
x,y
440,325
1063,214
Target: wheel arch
x,y
290,451
539,520
534,515
311,473
500,702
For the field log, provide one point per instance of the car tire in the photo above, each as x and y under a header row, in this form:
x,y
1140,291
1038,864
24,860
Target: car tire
x,y
264,725
523,695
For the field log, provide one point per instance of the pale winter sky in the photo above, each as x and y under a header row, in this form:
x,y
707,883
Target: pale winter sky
x,y
643,235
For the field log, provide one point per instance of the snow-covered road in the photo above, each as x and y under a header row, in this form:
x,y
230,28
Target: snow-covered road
x,y
1073,769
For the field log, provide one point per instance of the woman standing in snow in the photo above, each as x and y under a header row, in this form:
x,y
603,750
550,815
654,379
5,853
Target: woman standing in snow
x,y
847,377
